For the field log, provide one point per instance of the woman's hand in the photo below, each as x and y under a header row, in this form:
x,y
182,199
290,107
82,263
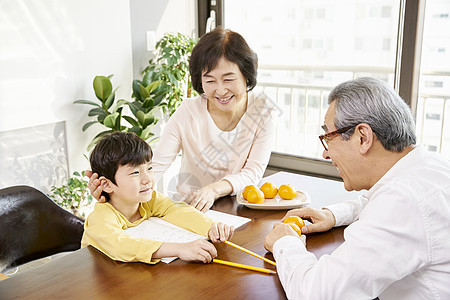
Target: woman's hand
x,y
202,199
94,186
321,219
220,232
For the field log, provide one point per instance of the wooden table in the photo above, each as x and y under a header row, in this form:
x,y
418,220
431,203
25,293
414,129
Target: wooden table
x,y
88,274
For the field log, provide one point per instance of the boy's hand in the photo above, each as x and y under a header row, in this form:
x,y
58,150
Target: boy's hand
x,y
94,186
220,232
199,250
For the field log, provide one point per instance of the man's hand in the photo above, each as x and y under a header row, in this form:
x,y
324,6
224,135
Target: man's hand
x,y
321,219
94,186
280,230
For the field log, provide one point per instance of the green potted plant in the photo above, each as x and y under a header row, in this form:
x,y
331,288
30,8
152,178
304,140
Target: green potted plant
x,y
148,96
73,196
171,66
165,83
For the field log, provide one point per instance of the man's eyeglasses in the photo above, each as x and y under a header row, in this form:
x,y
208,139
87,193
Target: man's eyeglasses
x,y
325,137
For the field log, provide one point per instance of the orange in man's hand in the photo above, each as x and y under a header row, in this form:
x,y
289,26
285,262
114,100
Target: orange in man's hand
x,y
269,190
296,228
287,191
295,220
247,189
255,196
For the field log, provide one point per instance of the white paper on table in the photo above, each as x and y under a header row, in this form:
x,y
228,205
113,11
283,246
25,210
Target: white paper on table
x,y
228,219
160,230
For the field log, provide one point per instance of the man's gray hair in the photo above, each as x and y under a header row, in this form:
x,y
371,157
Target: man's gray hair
x,y
372,101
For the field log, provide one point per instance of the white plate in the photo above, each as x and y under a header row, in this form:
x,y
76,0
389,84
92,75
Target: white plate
x,y
277,203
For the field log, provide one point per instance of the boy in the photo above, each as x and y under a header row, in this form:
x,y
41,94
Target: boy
x,y
123,160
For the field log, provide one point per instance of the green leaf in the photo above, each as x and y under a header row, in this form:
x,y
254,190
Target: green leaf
x,y
119,104
119,118
110,100
86,102
136,129
88,124
146,133
101,119
135,107
97,138
143,91
172,60
153,140
136,93
172,79
145,119
159,97
96,112
148,103
102,87
153,86
147,78
130,120
110,120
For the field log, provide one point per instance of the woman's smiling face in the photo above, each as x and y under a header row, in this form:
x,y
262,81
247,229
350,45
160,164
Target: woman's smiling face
x,y
224,86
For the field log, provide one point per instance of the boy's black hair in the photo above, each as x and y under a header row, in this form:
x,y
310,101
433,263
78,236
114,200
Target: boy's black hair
x,y
118,149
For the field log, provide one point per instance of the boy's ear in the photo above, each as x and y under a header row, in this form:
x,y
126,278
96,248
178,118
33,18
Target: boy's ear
x,y
106,184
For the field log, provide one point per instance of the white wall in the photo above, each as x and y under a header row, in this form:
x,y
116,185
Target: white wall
x,y
159,16
50,51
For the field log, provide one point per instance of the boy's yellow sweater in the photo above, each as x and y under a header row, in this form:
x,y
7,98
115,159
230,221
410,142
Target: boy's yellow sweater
x,y
104,228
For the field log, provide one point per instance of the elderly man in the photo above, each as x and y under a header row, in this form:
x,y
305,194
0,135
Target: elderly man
x,y
397,245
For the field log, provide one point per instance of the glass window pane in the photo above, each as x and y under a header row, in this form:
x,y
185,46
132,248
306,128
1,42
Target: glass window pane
x,y
305,48
433,106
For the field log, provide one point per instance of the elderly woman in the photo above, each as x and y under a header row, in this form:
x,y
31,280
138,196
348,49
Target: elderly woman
x,y
225,134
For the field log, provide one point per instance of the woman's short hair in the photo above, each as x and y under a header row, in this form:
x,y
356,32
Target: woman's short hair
x,y
222,43
374,102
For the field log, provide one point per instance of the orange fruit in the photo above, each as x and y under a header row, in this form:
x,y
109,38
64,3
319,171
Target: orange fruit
x,y
296,228
269,190
247,189
255,196
287,191
295,220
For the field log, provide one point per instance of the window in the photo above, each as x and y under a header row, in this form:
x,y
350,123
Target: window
x,y
338,41
433,105
386,44
386,12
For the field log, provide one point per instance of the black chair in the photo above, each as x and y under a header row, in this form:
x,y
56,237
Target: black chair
x,y
32,226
